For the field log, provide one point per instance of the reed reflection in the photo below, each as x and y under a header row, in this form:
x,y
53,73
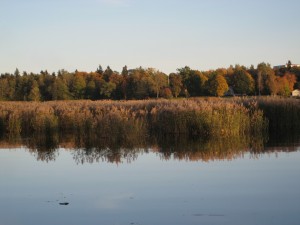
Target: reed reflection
x,y
44,147
208,150
90,148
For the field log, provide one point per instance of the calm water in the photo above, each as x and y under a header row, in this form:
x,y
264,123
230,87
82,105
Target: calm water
x,y
147,187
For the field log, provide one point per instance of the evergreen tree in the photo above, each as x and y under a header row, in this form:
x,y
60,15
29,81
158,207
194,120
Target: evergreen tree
x,y
99,70
107,74
17,72
124,71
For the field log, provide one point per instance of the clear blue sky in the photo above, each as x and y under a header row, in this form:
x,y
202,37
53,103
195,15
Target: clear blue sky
x,y
164,34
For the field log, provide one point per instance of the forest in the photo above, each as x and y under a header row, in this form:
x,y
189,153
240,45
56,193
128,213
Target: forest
x,y
146,83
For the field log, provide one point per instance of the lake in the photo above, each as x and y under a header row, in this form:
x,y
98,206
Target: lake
x,y
150,185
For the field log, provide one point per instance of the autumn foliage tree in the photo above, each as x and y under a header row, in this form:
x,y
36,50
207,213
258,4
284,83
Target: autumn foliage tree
x,y
217,85
144,83
175,83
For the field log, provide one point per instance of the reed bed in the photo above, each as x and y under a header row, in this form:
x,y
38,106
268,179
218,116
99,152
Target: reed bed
x,y
186,129
283,114
194,118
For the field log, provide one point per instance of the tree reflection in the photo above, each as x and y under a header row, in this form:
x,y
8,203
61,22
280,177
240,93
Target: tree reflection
x,y
89,148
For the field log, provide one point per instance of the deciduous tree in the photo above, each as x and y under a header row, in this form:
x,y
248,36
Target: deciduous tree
x,y
242,82
217,85
175,84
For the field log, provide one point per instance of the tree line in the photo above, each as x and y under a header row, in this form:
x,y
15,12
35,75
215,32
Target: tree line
x,y
145,83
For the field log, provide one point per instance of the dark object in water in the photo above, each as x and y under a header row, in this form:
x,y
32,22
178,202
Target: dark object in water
x,y
64,203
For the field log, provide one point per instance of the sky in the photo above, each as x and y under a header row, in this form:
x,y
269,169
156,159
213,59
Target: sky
x,y
51,35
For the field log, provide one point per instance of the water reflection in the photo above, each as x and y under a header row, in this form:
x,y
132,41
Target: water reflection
x,y
90,149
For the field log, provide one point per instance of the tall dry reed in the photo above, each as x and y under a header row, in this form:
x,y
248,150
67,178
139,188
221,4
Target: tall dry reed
x,y
283,114
194,118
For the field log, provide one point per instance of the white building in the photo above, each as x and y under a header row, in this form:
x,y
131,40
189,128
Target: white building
x,y
296,93
285,66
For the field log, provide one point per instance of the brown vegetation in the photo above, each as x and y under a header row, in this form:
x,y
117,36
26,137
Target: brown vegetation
x,y
194,118
283,114
186,129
